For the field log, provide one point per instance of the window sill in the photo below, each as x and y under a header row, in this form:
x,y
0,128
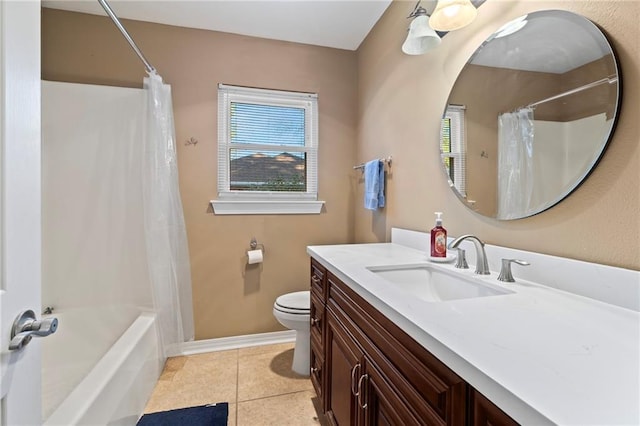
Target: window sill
x,y
229,207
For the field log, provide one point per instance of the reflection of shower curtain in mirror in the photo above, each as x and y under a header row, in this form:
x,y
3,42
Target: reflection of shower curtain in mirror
x,y
515,168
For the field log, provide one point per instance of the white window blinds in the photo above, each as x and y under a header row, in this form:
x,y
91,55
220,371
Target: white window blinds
x,y
267,144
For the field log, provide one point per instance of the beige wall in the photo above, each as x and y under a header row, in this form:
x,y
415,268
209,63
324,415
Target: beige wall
x,y
391,104
600,222
230,298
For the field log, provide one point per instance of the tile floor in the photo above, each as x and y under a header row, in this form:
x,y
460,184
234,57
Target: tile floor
x,y
257,383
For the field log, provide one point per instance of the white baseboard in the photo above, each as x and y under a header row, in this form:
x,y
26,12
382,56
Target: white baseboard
x,y
234,342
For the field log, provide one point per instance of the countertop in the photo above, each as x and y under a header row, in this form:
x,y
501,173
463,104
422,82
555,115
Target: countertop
x,y
543,355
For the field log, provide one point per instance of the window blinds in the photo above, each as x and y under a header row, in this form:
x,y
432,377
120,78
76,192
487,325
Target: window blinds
x,y
453,146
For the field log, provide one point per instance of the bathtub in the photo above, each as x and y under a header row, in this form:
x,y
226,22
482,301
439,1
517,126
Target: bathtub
x,y
93,372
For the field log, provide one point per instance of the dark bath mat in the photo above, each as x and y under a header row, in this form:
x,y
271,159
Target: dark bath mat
x,y
205,415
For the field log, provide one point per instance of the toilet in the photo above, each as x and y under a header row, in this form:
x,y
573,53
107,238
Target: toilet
x,y
292,310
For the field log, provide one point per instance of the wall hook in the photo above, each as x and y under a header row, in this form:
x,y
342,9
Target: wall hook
x,y
192,141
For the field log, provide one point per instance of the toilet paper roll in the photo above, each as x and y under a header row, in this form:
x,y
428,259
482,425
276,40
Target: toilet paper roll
x,y
254,256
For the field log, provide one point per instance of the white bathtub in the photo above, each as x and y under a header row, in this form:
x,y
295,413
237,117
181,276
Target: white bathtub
x,y
96,374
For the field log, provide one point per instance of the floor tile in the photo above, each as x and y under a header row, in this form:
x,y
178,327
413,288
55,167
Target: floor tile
x,y
231,420
257,383
264,349
268,374
172,366
201,380
295,409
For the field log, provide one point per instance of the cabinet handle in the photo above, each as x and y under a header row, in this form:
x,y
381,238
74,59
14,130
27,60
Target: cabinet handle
x,y
315,371
353,379
315,280
315,321
361,391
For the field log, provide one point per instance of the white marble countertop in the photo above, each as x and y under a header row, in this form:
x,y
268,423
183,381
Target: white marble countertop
x,y
543,355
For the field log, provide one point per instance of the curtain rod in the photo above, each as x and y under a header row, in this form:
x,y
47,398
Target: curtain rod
x,y
150,69
609,80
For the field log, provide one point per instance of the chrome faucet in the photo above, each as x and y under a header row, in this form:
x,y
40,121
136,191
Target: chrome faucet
x,y
482,266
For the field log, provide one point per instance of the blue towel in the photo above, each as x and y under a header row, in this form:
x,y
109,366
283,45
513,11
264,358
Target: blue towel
x,y
373,184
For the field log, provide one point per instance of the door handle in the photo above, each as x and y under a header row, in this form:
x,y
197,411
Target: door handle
x,y
355,368
361,390
26,326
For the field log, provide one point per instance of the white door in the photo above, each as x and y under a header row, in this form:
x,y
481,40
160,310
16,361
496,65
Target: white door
x,y
19,205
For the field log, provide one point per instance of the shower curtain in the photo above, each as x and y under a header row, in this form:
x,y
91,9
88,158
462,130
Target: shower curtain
x,y
165,234
515,163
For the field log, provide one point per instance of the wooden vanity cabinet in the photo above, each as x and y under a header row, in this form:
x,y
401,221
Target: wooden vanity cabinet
x,y
370,372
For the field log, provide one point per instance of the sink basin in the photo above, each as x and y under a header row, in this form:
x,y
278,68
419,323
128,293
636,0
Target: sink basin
x,y
435,285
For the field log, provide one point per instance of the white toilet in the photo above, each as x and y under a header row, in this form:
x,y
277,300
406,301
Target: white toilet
x,y
292,310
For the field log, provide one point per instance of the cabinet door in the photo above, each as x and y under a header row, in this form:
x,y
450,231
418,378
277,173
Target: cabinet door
x,y
486,413
383,405
344,367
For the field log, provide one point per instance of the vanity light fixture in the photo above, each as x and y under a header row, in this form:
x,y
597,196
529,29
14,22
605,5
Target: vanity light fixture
x,y
452,15
421,37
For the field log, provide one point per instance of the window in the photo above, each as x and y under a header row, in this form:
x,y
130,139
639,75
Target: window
x,y
267,151
453,146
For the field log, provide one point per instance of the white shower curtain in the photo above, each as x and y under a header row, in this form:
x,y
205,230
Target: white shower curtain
x,y
165,233
515,163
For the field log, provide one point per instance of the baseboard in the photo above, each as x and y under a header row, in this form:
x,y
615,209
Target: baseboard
x,y
233,342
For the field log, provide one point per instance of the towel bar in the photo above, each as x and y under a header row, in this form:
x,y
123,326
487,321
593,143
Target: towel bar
x,y
384,160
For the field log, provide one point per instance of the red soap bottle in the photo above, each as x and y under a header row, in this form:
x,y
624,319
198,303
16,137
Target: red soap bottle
x,y
438,238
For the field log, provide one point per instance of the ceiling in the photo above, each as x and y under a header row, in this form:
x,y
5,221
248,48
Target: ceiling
x,y
550,42
341,24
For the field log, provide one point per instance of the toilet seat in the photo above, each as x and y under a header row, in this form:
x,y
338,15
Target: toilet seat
x,y
297,303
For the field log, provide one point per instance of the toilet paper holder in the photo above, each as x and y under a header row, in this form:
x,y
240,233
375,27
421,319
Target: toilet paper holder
x,y
254,244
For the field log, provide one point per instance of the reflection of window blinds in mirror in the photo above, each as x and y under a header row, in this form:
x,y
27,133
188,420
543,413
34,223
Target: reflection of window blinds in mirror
x,y
454,146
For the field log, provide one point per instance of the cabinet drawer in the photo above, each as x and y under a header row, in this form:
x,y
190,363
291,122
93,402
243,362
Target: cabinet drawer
x,y
317,372
318,280
423,374
317,319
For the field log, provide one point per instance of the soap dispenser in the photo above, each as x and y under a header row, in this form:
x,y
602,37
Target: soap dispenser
x,y
438,238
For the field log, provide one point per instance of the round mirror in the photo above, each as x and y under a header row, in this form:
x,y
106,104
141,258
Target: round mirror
x,y
530,114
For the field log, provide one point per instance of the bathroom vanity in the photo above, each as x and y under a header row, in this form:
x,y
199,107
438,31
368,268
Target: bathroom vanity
x,y
368,371
383,352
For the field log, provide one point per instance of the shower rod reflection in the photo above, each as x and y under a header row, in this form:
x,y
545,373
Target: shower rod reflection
x,y
150,69
609,80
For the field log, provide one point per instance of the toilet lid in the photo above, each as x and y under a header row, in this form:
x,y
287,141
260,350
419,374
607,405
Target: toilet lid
x,y
299,301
